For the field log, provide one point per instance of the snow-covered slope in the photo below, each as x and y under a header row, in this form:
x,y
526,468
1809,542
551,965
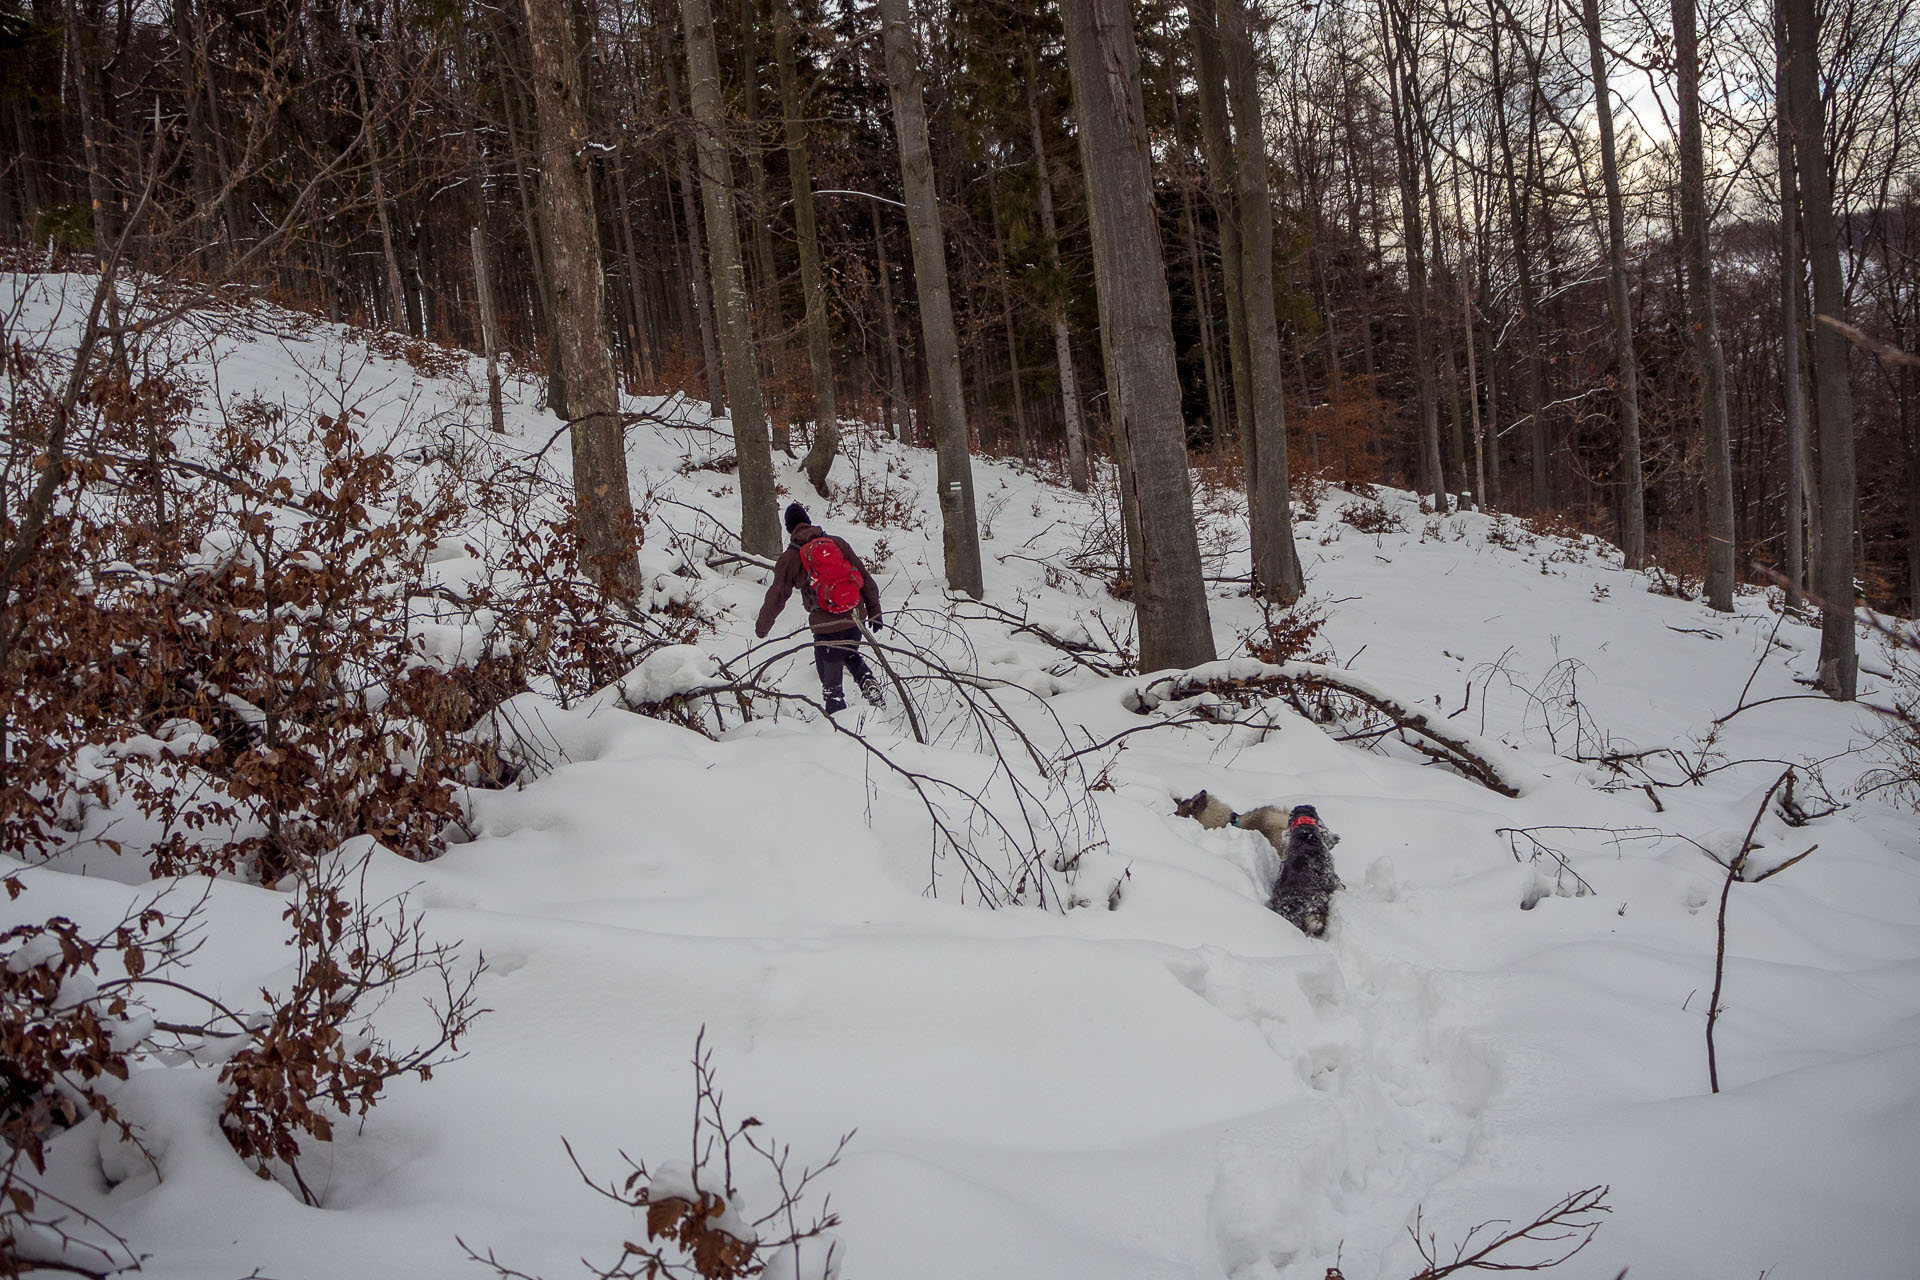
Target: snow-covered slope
x,y
1182,1086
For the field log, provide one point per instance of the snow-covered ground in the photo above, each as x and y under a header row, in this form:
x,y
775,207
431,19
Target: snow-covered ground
x,y
1184,1085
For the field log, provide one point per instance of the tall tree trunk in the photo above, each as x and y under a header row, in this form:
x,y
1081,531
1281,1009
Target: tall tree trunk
x,y
1024,445
1056,307
483,303
1518,216
1709,361
643,344
1400,73
1136,327
1833,576
1276,563
1633,504
896,367
1202,293
1793,382
1210,86
696,242
826,414
759,518
954,466
771,347
602,500
1473,388
399,314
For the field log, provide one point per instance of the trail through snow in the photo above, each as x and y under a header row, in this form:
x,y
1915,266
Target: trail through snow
x,y
1183,1086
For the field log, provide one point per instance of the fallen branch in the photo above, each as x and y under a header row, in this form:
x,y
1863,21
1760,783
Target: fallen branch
x,y
1571,1219
1490,764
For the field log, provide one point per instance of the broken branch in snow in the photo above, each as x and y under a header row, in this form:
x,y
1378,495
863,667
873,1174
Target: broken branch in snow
x,y
1565,1228
1485,762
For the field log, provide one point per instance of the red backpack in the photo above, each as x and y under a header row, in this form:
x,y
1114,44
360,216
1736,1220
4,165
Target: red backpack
x,y
832,577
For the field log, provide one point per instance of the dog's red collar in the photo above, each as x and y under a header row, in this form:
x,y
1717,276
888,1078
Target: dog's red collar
x,y
1304,820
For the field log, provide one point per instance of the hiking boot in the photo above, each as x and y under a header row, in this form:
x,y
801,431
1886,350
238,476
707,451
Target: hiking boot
x,y
836,700
871,690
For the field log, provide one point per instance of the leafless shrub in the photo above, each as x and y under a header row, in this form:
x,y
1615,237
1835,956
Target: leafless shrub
x,y
69,1025
1372,517
316,1056
697,1224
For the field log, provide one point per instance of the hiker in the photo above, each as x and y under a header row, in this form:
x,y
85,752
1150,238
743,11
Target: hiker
x,y
837,591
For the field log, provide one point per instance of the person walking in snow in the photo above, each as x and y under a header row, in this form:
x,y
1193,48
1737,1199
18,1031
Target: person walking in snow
x,y
838,592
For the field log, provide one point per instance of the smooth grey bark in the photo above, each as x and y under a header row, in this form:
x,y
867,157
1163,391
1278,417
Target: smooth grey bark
x,y
960,539
826,412
1833,575
759,520
1056,307
1709,360
1633,506
1136,330
1793,385
602,500
696,242
1276,562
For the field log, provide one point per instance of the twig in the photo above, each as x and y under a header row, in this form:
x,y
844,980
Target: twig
x,y
1734,867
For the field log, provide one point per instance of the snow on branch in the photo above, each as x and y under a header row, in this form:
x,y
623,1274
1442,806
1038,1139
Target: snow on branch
x,y
1489,763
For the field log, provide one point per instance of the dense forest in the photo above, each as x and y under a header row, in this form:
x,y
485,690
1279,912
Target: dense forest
x,y
1395,235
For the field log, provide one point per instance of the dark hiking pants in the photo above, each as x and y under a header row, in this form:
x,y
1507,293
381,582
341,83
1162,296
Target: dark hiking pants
x,y
833,653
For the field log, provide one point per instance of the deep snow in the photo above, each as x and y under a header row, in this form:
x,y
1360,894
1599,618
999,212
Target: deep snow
x,y
1183,1086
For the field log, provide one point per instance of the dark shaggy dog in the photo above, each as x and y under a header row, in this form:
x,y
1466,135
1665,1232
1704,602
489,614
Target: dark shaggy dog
x,y
1306,879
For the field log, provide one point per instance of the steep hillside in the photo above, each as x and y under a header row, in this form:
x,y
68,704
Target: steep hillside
x,y
1162,1079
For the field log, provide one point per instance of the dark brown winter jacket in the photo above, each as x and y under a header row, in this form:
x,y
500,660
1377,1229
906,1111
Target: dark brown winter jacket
x,y
790,571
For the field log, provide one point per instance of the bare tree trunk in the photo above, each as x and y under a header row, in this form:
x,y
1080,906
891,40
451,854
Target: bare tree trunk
x,y
1400,72
1136,325
1473,387
1023,443
1523,264
1633,533
399,315
1056,309
483,302
1709,361
896,373
1276,563
1210,85
643,342
603,502
1202,294
1792,377
759,519
960,535
1833,576
826,413
770,345
696,247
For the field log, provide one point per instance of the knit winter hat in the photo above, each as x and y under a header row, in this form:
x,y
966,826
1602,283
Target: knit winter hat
x,y
797,516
